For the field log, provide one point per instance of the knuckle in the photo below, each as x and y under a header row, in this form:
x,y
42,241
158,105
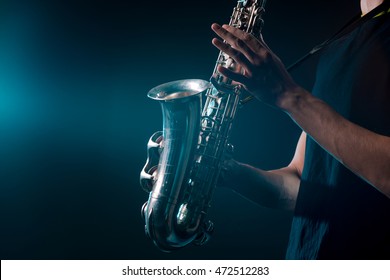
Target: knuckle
x,y
236,42
234,52
240,43
267,56
239,57
264,54
247,37
257,61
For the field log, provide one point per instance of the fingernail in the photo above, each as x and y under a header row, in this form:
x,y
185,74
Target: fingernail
x,y
215,41
225,26
215,26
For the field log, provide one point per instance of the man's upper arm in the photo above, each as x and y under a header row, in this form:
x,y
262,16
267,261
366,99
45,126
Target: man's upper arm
x,y
299,157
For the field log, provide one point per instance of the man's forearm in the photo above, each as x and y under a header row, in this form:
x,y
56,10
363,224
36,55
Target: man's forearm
x,y
365,153
274,189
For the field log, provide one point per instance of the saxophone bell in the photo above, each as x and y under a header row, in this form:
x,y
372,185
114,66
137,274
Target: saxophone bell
x,y
172,220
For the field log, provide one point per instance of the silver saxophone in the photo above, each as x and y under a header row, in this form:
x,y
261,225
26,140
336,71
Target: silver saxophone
x,y
185,159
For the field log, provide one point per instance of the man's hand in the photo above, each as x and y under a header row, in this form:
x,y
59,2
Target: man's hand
x,y
264,75
366,153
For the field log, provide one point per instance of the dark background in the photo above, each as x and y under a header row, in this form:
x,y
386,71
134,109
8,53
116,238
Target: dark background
x,y
75,120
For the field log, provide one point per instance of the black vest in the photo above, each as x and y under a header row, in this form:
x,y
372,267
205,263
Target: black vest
x,y
338,215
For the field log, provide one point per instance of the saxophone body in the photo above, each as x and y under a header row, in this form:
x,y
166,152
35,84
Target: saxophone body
x,y
185,159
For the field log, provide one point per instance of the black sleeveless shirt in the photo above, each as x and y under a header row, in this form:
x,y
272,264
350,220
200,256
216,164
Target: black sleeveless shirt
x,y
338,215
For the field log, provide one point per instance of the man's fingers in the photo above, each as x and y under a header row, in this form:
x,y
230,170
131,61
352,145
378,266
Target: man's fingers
x,y
253,50
233,75
234,41
233,53
254,44
223,33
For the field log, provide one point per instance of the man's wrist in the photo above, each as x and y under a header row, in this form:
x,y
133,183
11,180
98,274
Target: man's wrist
x,y
292,100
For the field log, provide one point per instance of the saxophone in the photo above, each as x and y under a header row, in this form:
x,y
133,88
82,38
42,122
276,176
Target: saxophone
x,y
185,159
